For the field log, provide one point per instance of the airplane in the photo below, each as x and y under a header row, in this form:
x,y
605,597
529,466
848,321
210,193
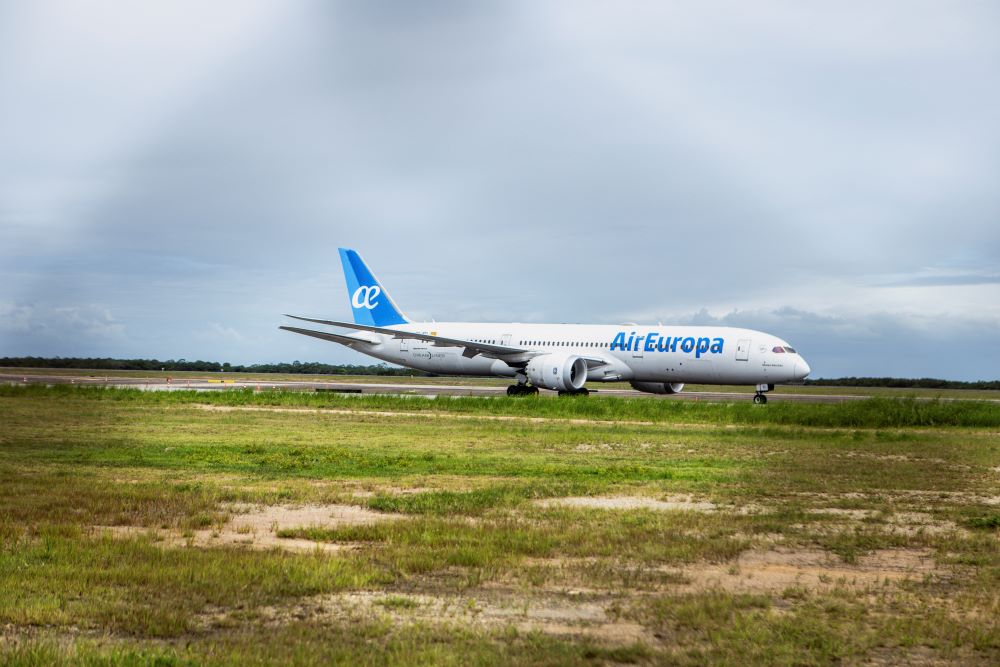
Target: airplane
x,y
558,357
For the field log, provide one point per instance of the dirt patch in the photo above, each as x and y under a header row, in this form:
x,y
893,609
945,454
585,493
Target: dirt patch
x,y
670,503
565,615
920,656
897,523
256,527
915,499
914,523
777,570
893,522
599,613
394,491
854,515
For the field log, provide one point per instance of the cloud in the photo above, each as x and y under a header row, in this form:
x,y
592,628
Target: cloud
x,y
503,161
64,330
941,279
877,344
218,333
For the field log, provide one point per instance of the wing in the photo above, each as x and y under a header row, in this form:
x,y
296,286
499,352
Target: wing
x,y
472,348
514,355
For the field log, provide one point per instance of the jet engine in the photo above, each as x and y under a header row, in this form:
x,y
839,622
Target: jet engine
x,y
559,372
658,387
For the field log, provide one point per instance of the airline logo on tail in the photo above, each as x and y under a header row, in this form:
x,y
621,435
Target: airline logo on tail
x,y
363,296
370,303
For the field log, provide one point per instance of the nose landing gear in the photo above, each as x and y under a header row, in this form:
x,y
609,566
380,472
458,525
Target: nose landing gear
x,y
760,398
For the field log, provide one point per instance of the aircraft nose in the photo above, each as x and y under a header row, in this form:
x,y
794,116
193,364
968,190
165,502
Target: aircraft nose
x,y
802,369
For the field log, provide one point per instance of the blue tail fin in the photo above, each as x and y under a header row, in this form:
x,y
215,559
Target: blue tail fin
x,y
370,302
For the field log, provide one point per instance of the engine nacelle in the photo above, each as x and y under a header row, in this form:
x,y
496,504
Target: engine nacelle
x,y
658,387
560,372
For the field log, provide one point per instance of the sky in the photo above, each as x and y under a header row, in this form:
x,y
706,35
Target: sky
x,y
176,175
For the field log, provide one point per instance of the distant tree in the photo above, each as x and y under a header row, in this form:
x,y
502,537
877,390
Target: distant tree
x,y
296,367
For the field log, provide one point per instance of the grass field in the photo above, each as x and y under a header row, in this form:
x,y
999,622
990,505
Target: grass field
x,y
259,527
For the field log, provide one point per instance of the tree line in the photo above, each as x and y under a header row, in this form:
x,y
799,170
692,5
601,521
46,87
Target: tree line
x,y
904,383
296,367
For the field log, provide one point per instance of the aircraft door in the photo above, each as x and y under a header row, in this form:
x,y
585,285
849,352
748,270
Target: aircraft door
x,y
743,350
505,340
404,345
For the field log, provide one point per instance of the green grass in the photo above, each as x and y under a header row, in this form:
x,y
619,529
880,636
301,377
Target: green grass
x,y
986,521
462,479
135,587
872,413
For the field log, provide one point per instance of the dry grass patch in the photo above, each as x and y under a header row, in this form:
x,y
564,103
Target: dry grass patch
x,y
260,527
669,503
780,569
595,617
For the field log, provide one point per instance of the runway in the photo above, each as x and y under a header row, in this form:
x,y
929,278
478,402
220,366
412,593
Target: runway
x,y
428,389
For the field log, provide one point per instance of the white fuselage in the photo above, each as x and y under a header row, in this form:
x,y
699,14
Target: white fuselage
x,y
669,354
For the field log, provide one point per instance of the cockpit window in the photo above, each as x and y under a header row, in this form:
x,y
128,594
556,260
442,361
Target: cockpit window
x,y
778,349
790,350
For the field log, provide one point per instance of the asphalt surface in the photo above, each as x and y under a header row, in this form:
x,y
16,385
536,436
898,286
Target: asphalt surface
x,y
160,383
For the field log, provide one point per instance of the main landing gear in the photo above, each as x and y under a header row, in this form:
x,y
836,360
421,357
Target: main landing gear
x,y
531,390
760,398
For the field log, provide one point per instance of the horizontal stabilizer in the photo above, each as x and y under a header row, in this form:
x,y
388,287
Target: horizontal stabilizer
x,y
333,338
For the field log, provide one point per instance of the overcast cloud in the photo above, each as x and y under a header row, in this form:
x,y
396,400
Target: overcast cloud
x,y
174,176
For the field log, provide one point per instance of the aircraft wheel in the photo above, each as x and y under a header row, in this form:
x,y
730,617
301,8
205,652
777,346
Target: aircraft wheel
x,y
578,392
514,390
760,399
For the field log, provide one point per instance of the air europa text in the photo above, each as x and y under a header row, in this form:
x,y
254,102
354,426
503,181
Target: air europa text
x,y
654,342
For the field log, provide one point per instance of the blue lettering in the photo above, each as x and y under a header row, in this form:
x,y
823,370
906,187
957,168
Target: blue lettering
x,y
701,348
653,341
